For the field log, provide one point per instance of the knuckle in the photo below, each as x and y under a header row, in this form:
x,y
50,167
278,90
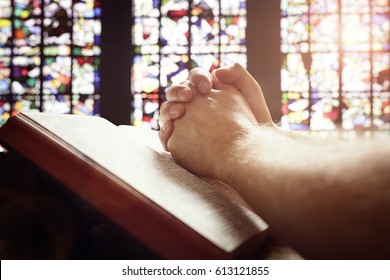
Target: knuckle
x,y
185,83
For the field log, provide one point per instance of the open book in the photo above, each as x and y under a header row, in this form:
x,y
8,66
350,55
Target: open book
x,y
124,172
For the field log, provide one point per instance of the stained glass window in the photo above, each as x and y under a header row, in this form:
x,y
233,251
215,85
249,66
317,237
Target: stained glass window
x,y
336,57
170,37
49,56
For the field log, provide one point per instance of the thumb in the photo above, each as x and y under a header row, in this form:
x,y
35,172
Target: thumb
x,y
240,78
201,79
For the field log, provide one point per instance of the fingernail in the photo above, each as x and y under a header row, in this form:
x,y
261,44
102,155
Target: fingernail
x,y
174,111
204,87
183,94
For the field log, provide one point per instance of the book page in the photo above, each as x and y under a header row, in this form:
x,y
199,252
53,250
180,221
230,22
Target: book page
x,y
219,193
222,221
150,138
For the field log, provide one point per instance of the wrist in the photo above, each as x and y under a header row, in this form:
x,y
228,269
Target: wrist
x,y
252,151
235,154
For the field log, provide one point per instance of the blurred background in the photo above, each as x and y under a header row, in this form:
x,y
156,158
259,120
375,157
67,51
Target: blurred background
x,y
323,64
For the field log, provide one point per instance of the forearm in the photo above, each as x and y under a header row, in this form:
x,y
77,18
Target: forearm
x,y
327,199
314,193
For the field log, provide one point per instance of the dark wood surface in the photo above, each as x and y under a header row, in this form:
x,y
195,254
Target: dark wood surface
x,y
40,219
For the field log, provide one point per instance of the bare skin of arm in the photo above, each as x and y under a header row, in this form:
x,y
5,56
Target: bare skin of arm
x,y
327,199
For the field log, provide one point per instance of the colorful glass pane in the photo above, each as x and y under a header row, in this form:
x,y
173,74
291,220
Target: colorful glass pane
x,y
56,50
228,59
137,106
146,8
324,7
49,51
57,32
174,69
147,49
26,75
381,32
233,30
356,111
295,109
5,9
381,71
5,32
204,30
294,75
212,48
206,61
150,108
324,33
356,32
86,105
146,72
179,36
25,103
88,9
27,8
324,111
381,110
146,31
356,72
174,9
380,6
324,72
208,9
5,75
61,11
345,59
5,109
86,77
56,75
294,34
233,48
293,7
56,104
86,37
233,7
355,6
27,32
